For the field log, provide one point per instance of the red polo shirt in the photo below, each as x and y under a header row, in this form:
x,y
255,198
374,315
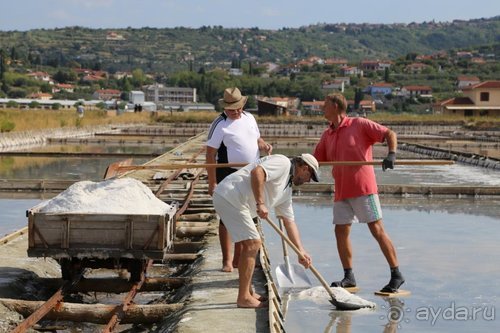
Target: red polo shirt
x,y
352,140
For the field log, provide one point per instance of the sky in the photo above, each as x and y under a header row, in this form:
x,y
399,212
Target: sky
x,y
264,14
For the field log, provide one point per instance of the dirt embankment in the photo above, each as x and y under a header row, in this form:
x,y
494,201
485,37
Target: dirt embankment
x,y
18,278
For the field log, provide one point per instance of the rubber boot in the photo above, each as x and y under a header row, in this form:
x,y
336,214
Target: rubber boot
x,y
347,282
396,281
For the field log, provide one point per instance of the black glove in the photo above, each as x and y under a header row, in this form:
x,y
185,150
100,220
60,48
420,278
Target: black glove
x,y
388,162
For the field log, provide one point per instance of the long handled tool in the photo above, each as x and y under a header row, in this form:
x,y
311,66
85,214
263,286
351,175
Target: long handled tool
x,y
338,304
175,166
290,275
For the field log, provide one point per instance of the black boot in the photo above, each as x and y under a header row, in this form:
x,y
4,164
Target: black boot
x,y
396,281
347,282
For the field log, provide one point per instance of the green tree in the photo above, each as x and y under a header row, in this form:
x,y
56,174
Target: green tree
x,y
101,105
34,105
358,97
251,103
12,104
13,53
387,75
65,76
138,77
125,84
3,64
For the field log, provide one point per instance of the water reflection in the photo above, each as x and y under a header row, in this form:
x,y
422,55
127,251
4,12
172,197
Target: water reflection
x,y
73,168
340,322
447,258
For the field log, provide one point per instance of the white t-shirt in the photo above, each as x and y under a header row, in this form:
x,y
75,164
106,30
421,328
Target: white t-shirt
x,y
237,187
239,136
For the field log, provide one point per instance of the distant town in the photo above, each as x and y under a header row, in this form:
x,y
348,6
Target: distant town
x,y
460,82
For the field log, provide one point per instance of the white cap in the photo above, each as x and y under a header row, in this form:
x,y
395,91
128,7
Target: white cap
x,y
313,163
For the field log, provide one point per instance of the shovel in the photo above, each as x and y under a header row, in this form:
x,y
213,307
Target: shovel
x,y
290,275
338,304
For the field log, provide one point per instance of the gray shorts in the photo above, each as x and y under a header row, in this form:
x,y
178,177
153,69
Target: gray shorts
x,y
238,221
364,209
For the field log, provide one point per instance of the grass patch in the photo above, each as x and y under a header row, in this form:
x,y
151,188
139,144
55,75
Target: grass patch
x,y
27,120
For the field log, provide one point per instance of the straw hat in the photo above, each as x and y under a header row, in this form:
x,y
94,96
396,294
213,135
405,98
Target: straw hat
x,y
233,99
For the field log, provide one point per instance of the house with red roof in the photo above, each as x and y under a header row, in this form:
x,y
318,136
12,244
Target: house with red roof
x,y
314,108
63,87
375,65
416,91
333,85
464,81
351,70
106,94
415,68
481,99
367,106
341,62
41,76
40,96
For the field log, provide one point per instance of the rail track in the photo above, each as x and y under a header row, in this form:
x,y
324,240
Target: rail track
x,y
193,222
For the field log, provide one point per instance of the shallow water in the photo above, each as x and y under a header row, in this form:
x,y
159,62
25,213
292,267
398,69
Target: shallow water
x,y
448,254
448,249
72,168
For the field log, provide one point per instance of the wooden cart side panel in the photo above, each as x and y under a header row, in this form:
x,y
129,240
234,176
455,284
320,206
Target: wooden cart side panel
x,y
114,231
31,230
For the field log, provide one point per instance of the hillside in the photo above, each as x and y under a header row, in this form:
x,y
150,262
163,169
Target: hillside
x,y
173,49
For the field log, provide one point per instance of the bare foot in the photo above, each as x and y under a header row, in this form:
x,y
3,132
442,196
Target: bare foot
x,y
235,264
252,303
227,268
259,297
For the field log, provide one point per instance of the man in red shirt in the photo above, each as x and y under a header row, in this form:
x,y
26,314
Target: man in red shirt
x,y
356,194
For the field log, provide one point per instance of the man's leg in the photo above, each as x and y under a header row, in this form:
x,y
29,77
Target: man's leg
x,y
344,249
385,243
246,266
225,245
236,255
237,248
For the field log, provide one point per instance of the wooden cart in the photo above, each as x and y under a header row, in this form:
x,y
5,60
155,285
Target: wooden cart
x,y
100,240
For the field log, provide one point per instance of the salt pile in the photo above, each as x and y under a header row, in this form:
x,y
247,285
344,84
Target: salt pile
x,y
114,196
319,294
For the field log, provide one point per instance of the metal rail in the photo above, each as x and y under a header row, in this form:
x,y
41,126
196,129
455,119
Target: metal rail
x,y
127,301
120,310
50,304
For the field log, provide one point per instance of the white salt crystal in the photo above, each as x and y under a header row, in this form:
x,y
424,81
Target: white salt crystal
x,y
114,196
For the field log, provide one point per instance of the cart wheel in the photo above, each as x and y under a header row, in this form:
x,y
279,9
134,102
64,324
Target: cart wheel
x,y
70,268
136,267
67,271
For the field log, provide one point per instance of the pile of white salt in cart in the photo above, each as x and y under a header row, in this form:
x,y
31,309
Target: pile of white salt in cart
x,y
114,196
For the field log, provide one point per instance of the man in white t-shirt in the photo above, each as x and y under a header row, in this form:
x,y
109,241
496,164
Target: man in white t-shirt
x,y
250,192
233,137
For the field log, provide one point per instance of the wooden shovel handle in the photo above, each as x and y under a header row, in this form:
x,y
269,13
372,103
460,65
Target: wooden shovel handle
x,y
283,244
296,250
176,166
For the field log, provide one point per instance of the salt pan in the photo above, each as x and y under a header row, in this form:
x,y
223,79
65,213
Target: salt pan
x,y
114,196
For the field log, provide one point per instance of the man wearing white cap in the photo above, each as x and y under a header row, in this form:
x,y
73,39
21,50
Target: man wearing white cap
x,y
251,192
234,137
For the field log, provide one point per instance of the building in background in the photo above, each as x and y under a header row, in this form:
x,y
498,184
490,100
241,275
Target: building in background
x,y
160,94
482,99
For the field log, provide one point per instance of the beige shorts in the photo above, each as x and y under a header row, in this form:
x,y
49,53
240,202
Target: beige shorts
x,y
364,209
238,221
